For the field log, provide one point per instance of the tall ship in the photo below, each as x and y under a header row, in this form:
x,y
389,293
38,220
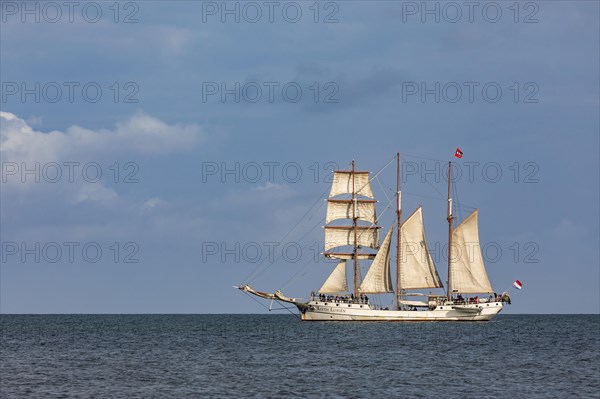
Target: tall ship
x,y
352,236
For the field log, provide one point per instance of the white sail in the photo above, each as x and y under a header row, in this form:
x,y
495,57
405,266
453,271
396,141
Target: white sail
x,y
337,236
378,279
336,282
468,275
342,184
417,268
342,209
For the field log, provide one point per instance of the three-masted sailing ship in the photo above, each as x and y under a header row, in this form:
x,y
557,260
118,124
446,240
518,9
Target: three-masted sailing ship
x,y
351,222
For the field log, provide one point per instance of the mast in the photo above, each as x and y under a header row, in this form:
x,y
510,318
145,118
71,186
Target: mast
x,y
449,285
354,226
353,184
398,227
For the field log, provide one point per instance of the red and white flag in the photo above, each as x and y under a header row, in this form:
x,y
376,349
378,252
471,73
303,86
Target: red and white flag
x,y
458,153
518,285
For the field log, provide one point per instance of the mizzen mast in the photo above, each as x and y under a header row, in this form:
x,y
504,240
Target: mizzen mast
x,y
398,234
450,218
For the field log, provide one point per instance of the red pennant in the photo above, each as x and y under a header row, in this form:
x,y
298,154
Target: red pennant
x,y
458,153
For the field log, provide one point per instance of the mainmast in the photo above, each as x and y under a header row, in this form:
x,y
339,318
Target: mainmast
x,y
449,285
354,227
398,235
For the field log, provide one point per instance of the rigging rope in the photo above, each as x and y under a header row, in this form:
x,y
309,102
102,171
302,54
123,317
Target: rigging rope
x,y
269,309
257,272
422,157
296,274
312,211
368,228
441,196
282,253
256,300
383,189
458,203
247,279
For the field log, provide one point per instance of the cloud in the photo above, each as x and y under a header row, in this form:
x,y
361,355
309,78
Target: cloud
x,y
95,192
124,206
152,203
266,195
141,133
274,190
35,164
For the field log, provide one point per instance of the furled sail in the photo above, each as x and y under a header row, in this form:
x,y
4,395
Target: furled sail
x,y
342,183
346,256
468,275
342,209
417,268
378,279
336,282
337,236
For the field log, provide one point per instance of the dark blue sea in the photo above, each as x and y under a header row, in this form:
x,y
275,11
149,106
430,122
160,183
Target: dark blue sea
x,y
277,356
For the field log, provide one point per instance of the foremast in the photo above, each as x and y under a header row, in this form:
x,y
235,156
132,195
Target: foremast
x,y
358,205
355,231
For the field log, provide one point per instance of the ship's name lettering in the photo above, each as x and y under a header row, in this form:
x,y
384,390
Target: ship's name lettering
x,y
328,309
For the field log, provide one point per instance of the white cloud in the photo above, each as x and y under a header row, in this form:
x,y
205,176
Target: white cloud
x,y
24,148
152,203
94,192
268,194
140,134
278,191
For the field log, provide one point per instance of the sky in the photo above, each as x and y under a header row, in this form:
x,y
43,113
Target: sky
x,y
156,153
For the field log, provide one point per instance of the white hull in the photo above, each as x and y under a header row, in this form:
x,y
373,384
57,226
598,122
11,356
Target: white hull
x,y
331,311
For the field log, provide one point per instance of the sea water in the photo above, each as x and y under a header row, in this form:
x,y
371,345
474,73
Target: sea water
x,y
276,356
